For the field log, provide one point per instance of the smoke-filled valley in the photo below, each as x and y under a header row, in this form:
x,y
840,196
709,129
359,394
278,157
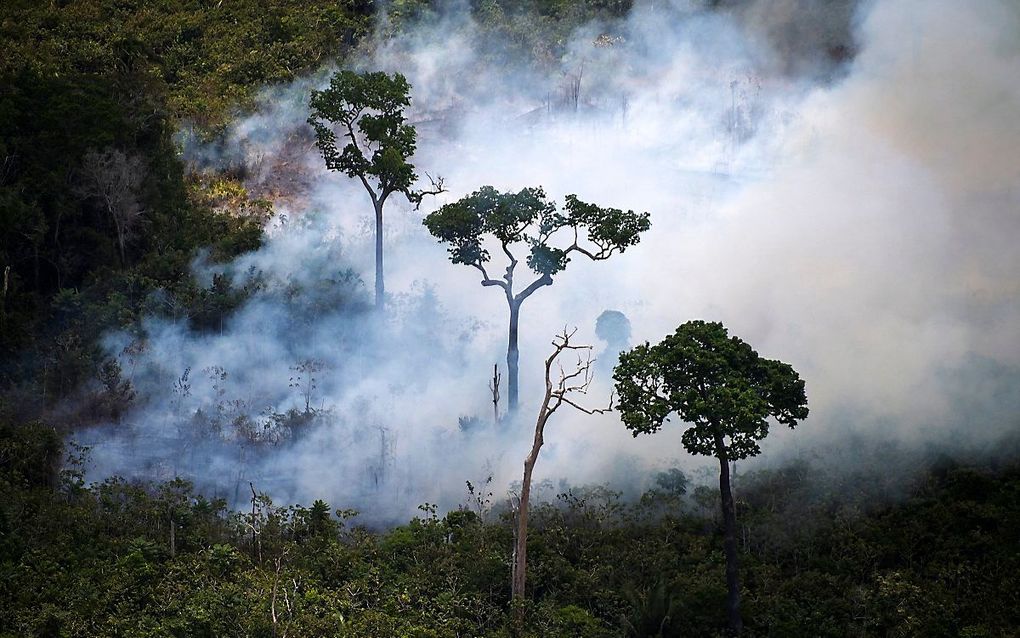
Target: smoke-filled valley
x,y
188,314
866,242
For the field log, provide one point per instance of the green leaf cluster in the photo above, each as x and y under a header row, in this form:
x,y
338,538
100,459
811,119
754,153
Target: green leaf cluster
x,y
369,109
536,33
715,383
527,217
205,59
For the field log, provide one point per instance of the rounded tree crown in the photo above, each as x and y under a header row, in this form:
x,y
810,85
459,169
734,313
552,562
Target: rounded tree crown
x,y
716,383
368,109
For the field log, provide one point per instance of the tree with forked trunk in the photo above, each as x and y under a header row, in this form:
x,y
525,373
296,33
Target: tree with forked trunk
x,y
527,220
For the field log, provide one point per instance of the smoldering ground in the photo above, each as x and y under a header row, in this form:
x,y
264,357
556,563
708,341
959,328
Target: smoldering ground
x,y
839,187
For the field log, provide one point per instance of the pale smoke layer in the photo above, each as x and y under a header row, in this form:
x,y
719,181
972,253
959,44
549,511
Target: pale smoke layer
x,y
862,229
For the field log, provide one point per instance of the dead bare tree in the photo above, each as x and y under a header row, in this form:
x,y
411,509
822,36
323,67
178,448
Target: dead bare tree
x,y
494,389
557,393
256,551
3,299
115,179
574,86
277,617
304,379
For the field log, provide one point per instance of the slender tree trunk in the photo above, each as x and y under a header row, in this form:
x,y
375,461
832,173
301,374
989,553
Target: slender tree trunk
x,y
380,288
120,246
254,534
3,301
512,357
117,226
60,251
555,395
494,387
521,542
736,624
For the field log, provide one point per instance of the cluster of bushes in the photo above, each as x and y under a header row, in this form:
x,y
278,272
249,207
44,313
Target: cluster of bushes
x,y
822,556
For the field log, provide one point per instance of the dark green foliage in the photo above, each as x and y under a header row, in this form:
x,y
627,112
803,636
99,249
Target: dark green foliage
x,y
820,558
91,85
30,456
608,229
204,59
99,75
370,109
527,217
533,32
715,383
463,224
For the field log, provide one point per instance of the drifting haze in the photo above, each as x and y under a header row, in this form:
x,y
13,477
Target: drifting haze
x,y
840,188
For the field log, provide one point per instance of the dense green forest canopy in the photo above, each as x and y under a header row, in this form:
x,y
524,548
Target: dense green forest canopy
x,y
825,551
79,79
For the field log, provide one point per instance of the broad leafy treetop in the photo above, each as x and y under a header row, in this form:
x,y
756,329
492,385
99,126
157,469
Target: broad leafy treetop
x,y
369,110
527,217
716,383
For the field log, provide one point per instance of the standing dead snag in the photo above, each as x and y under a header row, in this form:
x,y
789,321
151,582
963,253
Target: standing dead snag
x,y
115,179
254,530
494,389
556,394
276,618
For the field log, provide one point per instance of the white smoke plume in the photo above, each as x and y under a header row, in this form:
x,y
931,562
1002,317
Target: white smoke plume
x,y
840,187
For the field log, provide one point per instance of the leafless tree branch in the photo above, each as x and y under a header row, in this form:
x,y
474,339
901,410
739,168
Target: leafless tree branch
x,y
115,179
558,390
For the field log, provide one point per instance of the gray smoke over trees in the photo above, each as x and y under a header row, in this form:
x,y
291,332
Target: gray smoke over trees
x,y
612,327
860,223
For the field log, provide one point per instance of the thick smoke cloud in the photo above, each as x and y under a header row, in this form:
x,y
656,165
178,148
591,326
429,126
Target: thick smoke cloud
x,y
840,188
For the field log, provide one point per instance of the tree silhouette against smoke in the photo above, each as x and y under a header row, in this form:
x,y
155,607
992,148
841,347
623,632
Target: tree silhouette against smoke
x,y
723,390
369,110
560,387
528,219
613,327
